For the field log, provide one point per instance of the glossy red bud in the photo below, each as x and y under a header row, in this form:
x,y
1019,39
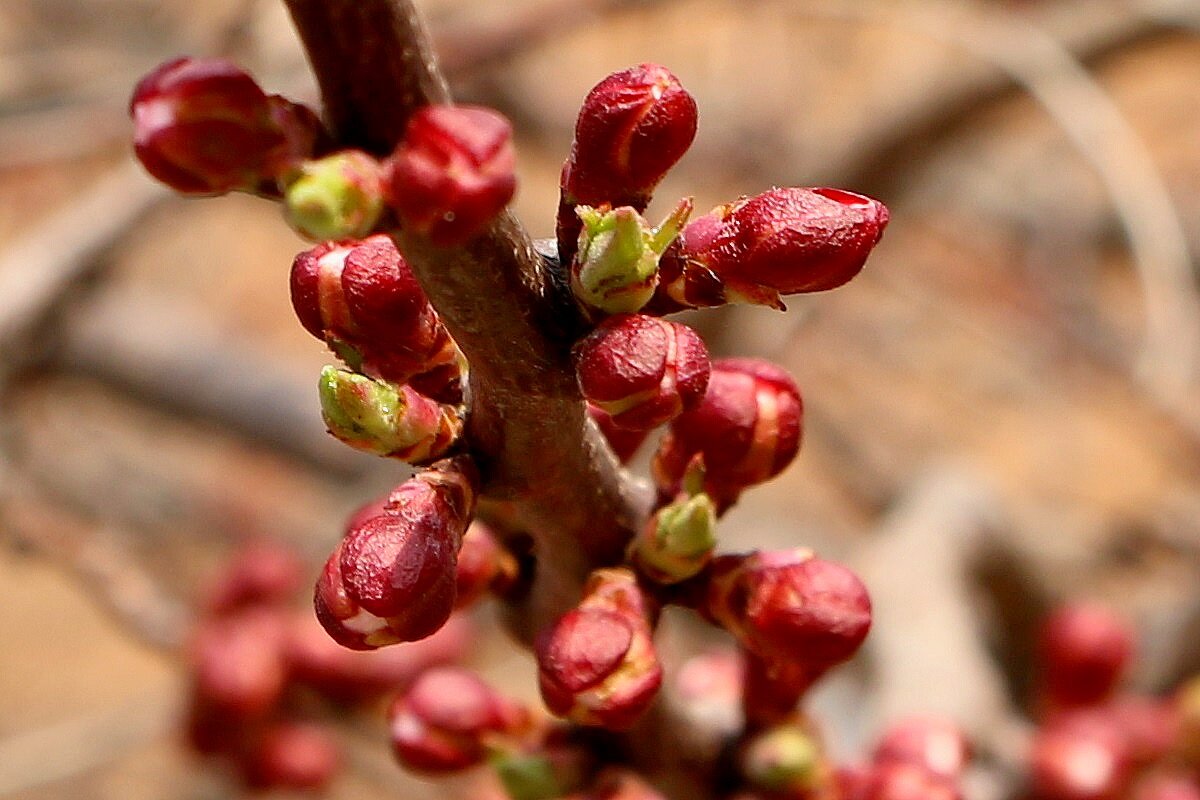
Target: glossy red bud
x,y
747,427
1084,651
446,719
203,126
453,173
624,442
642,371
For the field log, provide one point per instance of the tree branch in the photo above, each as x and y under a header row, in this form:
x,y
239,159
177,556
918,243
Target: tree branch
x,y
539,456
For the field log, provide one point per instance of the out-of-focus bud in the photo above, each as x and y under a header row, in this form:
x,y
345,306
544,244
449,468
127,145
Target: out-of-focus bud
x,y
292,756
384,419
707,693
678,541
1186,703
624,442
642,371
784,758
363,300
790,607
238,667
597,664
781,242
392,579
339,196
453,173
483,566
619,784
935,744
1078,757
1151,726
553,769
899,780
1166,786
632,128
261,573
203,126
747,427
346,676
1084,651
448,720
616,268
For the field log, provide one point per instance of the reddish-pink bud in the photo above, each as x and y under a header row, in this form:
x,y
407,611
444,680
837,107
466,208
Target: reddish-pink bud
x,y
453,173
790,607
343,675
1166,786
392,579
1078,757
238,667
935,744
785,241
624,442
261,573
203,126
483,566
1084,651
643,371
899,780
292,756
447,718
364,301
747,427
597,664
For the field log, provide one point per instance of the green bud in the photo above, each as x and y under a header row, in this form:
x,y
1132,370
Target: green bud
x,y
679,540
782,758
527,776
336,197
386,420
616,267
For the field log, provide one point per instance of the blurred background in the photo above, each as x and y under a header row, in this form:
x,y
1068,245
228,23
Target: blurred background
x,y
1002,411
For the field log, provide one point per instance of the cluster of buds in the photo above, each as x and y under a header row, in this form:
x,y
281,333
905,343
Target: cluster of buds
x,y
597,664
1095,740
393,578
256,663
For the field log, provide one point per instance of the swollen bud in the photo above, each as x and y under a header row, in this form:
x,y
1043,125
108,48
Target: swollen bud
x,y
678,541
392,579
781,242
447,721
642,371
632,128
747,429
384,419
597,664
616,268
1084,651
791,607
336,197
453,172
784,758
203,126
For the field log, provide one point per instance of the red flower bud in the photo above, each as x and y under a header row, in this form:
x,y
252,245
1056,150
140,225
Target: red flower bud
x,y
937,745
392,579
364,301
483,565
632,128
453,173
597,664
261,573
203,126
624,442
1078,757
1084,652
790,607
347,676
899,780
447,718
747,428
785,241
237,663
292,756
642,371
